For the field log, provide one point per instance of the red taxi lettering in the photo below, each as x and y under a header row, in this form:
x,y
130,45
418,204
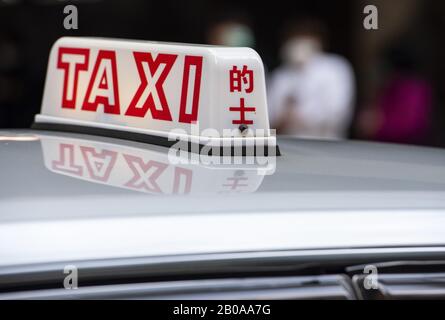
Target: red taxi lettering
x,y
66,160
196,62
72,61
99,164
188,175
103,87
152,79
145,174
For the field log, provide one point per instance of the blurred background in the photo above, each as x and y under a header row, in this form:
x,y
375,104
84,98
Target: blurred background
x,y
328,77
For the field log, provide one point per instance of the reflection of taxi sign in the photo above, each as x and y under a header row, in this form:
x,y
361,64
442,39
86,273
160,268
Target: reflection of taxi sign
x,y
143,170
145,90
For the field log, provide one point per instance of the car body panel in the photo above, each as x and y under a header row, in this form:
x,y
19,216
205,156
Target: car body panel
x,y
317,195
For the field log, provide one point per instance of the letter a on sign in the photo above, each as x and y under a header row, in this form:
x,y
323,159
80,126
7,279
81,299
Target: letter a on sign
x,y
103,88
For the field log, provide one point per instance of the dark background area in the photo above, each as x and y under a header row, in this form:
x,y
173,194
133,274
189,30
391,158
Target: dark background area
x,y
29,28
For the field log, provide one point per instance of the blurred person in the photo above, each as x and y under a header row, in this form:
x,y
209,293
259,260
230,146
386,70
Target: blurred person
x,y
402,110
232,30
311,95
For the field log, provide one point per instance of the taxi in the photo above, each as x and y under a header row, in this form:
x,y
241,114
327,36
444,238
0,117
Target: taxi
x,y
151,172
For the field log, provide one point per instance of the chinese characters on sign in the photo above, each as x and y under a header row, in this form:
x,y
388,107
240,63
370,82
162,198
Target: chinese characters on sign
x,y
242,81
236,182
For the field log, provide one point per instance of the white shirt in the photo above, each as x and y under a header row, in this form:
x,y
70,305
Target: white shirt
x,y
322,93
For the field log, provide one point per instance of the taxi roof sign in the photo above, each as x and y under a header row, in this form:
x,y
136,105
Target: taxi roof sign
x,y
149,89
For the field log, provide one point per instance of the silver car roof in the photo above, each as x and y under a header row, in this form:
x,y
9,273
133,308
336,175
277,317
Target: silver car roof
x,y
317,195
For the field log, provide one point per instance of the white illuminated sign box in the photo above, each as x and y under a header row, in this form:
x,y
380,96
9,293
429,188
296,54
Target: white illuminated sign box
x,y
147,90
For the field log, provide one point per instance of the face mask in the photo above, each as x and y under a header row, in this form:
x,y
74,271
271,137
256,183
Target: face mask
x,y
298,51
238,35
